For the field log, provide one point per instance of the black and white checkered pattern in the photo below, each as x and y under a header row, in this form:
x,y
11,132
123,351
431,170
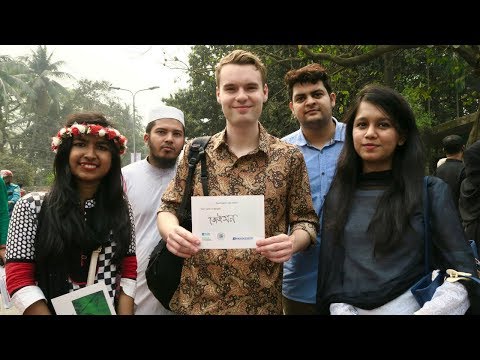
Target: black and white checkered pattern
x,y
23,229
106,271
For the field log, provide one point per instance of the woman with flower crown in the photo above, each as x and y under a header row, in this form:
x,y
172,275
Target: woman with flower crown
x,y
53,236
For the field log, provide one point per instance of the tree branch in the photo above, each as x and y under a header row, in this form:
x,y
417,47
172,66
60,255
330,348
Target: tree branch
x,y
354,60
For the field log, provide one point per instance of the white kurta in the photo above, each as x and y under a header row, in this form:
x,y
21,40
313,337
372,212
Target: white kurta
x,y
145,185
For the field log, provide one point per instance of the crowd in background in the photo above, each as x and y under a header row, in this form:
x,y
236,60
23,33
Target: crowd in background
x,y
343,208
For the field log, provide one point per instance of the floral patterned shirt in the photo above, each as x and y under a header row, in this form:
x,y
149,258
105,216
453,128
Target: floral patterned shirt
x,y
240,281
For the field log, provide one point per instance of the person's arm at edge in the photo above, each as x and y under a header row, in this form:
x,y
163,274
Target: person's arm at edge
x,y
304,221
180,241
4,220
28,299
16,195
166,221
37,308
128,282
125,304
301,240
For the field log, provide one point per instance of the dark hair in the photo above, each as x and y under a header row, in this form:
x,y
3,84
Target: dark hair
x,y
152,123
63,225
150,126
400,199
452,144
310,74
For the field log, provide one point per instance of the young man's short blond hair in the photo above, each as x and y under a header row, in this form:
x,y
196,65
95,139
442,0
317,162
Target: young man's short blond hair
x,y
241,57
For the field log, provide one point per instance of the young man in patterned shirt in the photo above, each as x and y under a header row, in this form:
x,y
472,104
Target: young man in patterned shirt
x,y
243,159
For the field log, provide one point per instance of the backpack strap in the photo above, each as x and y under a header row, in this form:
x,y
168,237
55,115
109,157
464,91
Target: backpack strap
x,y
195,154
199,144
426,225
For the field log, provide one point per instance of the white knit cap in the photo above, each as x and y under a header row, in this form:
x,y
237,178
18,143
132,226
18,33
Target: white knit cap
x,y
166,112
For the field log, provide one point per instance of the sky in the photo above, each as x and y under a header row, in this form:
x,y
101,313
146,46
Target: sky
x,y
132,67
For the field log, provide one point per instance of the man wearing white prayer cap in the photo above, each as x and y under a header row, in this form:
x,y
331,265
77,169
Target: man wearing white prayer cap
x,y
165,112
144,182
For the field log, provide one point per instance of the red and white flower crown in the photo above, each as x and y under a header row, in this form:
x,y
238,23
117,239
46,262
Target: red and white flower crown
x,y
90,129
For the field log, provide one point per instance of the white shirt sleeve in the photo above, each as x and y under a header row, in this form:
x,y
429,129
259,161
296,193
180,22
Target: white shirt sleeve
x,y
129,287
448,299
342,309
26,296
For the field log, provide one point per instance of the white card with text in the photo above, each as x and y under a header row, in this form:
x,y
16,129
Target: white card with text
x,y
228,222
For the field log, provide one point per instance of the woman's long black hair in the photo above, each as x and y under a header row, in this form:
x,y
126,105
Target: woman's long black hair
x,y
399,200
62,224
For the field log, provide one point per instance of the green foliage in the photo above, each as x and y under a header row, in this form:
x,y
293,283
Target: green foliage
x,y
88,95
50,179
23,172
38,106
429,77
203,114
44,73
416,97
440,83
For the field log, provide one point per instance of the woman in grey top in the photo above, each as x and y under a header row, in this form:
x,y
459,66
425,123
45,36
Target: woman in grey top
x,y
372,249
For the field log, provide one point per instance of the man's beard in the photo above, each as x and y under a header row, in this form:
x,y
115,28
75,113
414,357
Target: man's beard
x,y
162,162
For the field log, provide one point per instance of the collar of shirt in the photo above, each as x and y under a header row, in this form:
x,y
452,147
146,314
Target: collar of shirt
x,y
264,141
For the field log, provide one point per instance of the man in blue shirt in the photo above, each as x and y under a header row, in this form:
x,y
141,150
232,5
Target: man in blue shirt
x,y
320,138
13,190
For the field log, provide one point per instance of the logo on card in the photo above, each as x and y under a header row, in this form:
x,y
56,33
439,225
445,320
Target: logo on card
x,y
243,238
221,236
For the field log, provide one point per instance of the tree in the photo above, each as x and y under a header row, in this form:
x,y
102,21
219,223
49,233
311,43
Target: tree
x,y
438,81
13,87
202,112
23,172
44,74
469,53
90,95
203,115
33,106
41,117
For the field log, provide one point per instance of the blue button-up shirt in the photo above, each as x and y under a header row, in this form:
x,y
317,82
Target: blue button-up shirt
x,y
300,272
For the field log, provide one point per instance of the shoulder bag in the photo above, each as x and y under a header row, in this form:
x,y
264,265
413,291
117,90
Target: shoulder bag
x,y
164,268
424,289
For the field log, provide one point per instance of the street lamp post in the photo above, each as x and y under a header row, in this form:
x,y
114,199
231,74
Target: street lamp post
x,y
133,112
